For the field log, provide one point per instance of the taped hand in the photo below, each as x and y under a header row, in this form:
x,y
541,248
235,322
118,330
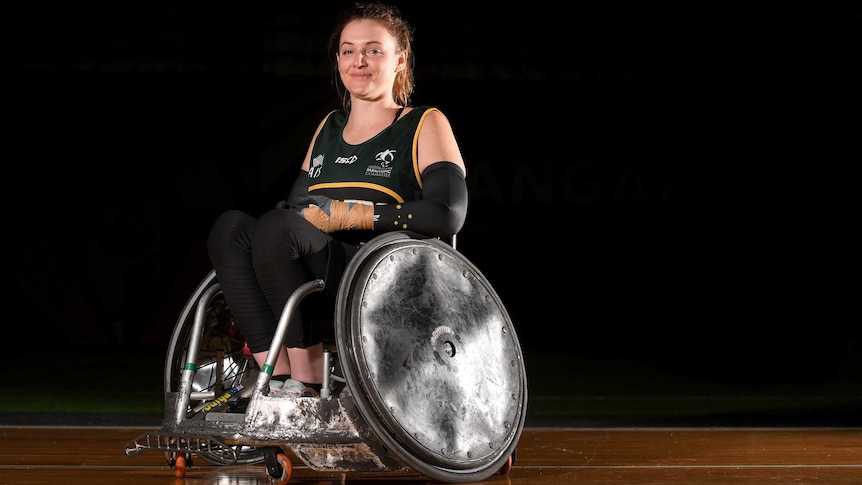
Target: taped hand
x,y
330,215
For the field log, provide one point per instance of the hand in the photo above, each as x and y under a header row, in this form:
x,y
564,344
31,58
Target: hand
x,y
318,213
330,215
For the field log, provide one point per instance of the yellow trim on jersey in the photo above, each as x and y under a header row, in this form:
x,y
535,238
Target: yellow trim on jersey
x,y
320,125
416,146
364,185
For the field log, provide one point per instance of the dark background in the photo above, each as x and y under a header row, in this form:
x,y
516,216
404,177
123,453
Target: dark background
x,y
671,184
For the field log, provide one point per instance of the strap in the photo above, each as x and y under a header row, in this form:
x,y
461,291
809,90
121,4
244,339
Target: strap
x,y
398,115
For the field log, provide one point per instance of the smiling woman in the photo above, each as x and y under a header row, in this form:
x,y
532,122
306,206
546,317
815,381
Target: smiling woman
x,y
162,94
373,56
368,67
377,165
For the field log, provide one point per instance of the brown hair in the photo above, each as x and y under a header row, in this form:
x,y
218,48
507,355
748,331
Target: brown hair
x,y
391,18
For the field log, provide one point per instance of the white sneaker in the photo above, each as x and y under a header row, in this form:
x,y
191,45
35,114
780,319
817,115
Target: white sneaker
x,y
290,388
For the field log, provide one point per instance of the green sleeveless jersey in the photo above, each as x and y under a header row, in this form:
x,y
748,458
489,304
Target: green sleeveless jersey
x,y
383,169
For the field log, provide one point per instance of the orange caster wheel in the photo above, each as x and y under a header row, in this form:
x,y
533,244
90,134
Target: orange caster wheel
x,y
180,466
507,467
278,466
286,470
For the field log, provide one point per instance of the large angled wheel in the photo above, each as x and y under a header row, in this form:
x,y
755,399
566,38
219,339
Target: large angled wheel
x,y
431,357
221,360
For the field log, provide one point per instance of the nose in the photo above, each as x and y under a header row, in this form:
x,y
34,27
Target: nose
x,y
359,59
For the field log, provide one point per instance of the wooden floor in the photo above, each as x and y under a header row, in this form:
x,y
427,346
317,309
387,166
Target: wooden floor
x,y
607,456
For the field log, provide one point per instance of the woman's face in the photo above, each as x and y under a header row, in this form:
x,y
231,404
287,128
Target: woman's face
x,y
368,59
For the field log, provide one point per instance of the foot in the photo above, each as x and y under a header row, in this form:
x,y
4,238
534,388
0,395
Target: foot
x,y
290,388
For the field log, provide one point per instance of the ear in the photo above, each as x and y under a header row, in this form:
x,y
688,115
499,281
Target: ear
x,y
401,63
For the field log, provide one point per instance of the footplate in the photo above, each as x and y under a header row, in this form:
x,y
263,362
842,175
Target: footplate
x,y
202,445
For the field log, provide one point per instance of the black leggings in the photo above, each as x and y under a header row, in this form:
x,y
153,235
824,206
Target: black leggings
x,y
260,262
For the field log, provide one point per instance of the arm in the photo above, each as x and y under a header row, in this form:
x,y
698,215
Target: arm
x,y
443,206
441,211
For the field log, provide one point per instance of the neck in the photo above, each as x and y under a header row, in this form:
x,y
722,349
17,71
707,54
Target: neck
x,y
370,107
373,112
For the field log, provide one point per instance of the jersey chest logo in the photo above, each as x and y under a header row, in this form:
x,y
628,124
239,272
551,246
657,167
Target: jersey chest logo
x,y
384,166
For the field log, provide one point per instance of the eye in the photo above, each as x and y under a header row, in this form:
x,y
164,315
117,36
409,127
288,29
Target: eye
x,y
346,52
374,52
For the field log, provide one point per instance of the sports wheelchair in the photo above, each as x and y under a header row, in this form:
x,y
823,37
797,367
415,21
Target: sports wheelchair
x,y
426,373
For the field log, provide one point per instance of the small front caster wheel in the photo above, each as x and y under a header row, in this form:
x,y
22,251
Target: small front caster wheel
x,y
282,464
507,466
180,465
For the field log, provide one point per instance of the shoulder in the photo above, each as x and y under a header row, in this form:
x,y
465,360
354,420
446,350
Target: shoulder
x,y
336,116
431,116
434,121
424,111
437,140
333,118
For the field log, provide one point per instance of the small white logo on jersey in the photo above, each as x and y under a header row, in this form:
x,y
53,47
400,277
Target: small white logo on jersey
x,y
346,160
384,169
316,166
385,157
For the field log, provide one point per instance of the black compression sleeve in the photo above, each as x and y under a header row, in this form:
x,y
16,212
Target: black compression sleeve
x,y
441,211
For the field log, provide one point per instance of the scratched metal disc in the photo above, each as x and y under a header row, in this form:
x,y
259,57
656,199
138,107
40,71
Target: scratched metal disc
x,y
431,357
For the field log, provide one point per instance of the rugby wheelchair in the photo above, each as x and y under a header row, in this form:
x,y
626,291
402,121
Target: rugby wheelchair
x,y
426,373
